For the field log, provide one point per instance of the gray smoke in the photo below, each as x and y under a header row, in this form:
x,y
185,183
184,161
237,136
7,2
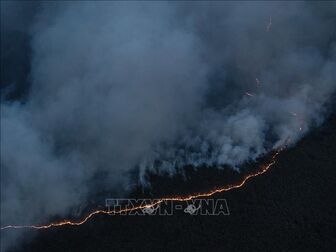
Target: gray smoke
x,y
119,86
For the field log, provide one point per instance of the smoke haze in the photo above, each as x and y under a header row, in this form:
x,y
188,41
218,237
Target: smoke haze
x,y
116,87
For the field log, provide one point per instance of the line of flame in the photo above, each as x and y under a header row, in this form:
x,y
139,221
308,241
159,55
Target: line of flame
x,y
264,168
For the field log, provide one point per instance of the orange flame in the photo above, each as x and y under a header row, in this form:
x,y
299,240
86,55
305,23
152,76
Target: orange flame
x,y
264,168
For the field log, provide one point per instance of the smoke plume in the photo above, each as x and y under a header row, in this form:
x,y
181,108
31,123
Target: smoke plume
x,y
117,87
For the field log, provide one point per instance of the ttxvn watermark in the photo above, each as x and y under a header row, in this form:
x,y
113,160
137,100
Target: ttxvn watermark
x,y
167,207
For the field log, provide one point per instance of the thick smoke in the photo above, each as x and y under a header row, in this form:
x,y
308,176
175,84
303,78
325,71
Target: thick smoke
x,y
118,87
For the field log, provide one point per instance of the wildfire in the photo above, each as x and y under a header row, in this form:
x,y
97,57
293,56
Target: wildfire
x,y
264,168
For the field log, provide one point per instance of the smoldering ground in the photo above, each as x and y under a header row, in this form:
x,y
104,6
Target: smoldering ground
x,y
113,87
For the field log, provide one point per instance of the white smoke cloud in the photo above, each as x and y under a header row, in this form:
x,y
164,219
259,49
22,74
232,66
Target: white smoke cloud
x,y
117,86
